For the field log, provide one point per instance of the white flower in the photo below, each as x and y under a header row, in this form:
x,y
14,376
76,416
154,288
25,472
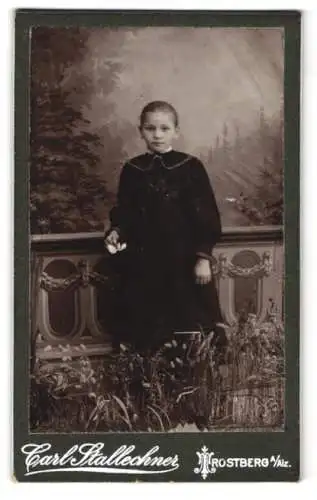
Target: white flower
x,y
112,249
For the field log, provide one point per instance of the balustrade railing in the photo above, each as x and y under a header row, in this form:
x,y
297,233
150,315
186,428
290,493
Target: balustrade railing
x,y
71,285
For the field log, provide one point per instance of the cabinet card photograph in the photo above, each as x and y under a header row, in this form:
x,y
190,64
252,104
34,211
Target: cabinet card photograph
x,y
157,171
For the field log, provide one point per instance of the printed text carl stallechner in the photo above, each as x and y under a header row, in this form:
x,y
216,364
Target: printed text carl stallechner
x,y
89,457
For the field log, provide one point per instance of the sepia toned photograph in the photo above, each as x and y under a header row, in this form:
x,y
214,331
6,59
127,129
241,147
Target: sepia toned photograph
x,y
156,227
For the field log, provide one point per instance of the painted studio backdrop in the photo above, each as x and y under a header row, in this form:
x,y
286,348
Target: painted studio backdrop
x,y
88,87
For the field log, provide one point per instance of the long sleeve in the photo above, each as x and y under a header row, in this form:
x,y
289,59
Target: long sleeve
x,y
121,212
204,211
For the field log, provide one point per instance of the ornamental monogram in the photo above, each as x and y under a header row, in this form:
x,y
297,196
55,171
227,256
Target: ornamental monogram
x,y
204,462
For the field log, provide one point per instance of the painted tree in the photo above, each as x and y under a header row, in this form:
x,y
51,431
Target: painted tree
x,y
249,173
264,205
65,185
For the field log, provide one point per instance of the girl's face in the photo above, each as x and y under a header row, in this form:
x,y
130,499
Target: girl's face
x,y
159,131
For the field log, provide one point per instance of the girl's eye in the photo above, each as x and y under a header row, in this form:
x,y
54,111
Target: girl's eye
x,y
165,129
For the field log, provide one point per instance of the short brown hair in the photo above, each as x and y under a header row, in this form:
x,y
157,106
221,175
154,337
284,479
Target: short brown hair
x,y
158,106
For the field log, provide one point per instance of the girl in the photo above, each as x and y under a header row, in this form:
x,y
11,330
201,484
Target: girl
x,y
166,223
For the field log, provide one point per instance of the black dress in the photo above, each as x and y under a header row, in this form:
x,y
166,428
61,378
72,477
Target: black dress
x,y
167,214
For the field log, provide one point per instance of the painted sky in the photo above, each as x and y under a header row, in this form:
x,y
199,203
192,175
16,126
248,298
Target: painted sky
x,y
211,75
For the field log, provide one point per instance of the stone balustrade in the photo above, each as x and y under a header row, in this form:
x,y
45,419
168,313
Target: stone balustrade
x,y
70,285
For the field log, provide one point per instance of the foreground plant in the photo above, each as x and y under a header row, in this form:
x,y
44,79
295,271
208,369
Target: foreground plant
x,y
182,383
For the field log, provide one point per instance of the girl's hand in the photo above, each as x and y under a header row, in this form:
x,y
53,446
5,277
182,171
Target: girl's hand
x,y
202,272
